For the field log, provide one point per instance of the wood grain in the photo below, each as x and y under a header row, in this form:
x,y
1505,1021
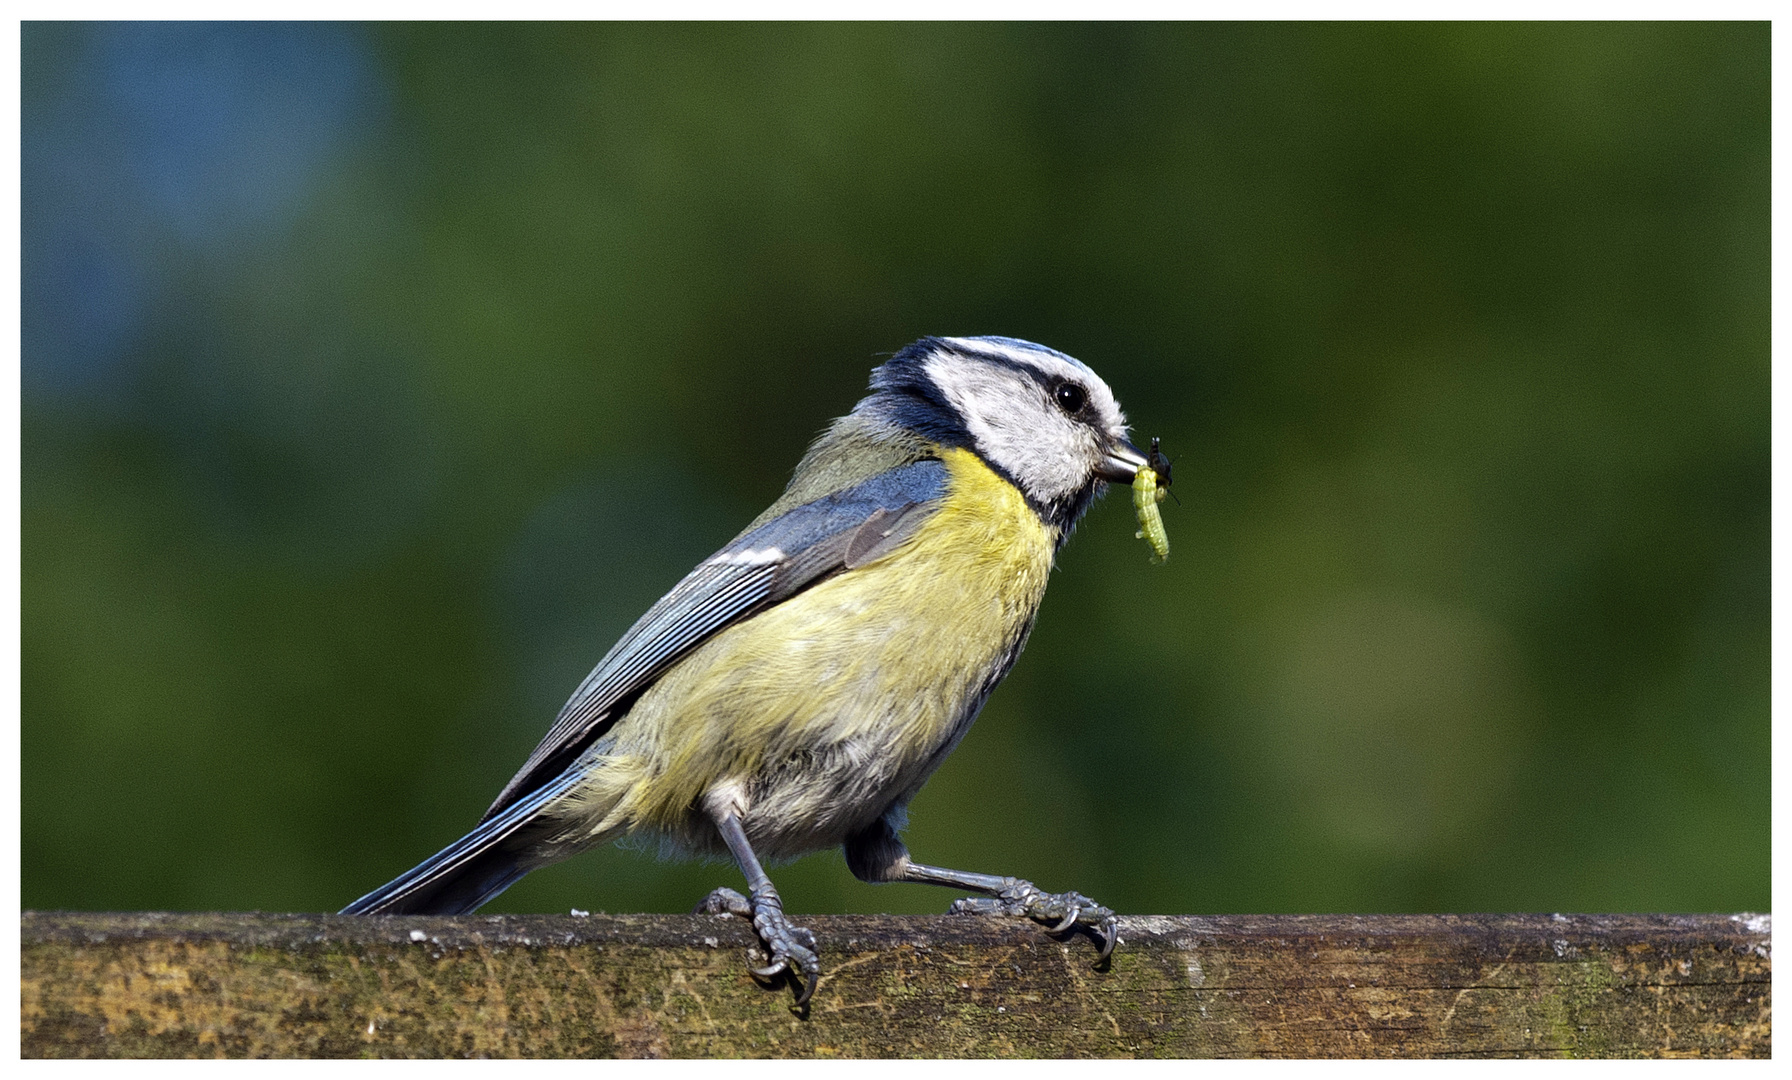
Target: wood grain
x,y
257,985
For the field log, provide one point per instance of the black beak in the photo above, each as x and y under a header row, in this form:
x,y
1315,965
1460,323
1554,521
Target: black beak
x,y
1122,463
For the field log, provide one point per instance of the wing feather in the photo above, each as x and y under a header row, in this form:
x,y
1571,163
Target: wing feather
x,y
762,567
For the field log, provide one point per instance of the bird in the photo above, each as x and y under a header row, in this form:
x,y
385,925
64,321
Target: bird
x,y
794,691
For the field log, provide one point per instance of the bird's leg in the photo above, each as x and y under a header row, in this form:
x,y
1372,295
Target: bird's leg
x,y
877,855
791,948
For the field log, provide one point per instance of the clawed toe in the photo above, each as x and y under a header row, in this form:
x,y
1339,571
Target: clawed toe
x,y
788,948
1065,911
800,960
1069,920
791,948
724,902
812,976
1110,936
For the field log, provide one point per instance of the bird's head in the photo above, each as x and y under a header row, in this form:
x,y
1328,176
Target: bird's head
x,y
1039,418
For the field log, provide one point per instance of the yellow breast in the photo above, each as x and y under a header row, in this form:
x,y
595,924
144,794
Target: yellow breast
x,y
882,661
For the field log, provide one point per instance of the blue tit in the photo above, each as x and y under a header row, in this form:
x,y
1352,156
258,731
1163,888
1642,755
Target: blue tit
x,y
798,687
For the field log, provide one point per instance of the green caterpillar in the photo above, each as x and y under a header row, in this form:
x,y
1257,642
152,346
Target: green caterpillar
x,y
1146,494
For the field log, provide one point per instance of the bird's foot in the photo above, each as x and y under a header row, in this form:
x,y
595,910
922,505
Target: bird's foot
x,y
790,948
1064,911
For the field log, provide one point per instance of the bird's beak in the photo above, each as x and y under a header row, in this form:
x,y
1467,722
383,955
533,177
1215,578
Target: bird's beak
x,y
1122,463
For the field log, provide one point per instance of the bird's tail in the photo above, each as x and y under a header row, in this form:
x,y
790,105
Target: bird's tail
x,y
467,873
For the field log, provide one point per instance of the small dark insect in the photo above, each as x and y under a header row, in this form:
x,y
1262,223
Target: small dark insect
x,y
1159,463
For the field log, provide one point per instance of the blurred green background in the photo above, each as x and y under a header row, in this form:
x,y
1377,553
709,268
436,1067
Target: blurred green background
x,y
376,377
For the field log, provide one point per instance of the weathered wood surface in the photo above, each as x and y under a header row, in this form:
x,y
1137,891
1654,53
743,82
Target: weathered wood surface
x,y
254,985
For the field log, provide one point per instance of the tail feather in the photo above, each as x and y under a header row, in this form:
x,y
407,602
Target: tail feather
x,y
433,890
464,875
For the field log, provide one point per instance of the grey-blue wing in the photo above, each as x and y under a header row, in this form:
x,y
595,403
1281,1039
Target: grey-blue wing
x,y
772,563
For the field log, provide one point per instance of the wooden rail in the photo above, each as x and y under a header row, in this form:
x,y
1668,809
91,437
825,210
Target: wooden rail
x,y
254,985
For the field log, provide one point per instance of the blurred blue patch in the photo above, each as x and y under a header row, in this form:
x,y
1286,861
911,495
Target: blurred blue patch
x,y
142,143
82,299
226,125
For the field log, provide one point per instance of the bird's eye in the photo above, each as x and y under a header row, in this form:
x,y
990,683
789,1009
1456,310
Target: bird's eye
x,y
1070,397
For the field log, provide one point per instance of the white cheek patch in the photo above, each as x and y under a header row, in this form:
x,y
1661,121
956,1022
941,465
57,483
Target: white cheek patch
x,y
1015,427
